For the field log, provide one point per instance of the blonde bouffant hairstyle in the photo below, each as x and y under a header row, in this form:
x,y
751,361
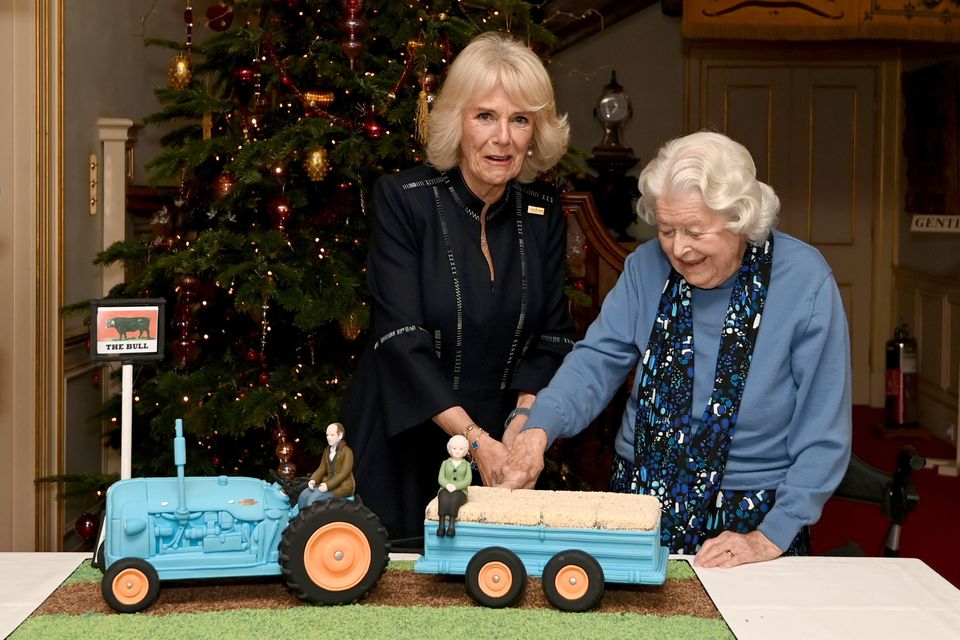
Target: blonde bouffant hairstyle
x,y
724,175
491,59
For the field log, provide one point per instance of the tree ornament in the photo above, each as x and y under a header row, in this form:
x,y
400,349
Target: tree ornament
x,y
353,24
86,526
179,72
264,378
372,126
284,451
279,209
318,100
252,355
219,16
317,164
222,185
243,82
184,346
350,326
427,86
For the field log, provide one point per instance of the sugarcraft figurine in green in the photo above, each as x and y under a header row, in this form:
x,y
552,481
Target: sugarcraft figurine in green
x,y
454,478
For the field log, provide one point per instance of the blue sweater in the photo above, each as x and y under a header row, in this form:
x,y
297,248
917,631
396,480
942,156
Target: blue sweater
x,y
794,428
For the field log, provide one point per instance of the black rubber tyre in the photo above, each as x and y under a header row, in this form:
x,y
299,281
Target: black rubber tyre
x,y
334,552
496,578
97,562
130,585
573,581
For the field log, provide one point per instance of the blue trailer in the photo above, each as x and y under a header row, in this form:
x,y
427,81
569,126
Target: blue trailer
x,y
574,563
160,529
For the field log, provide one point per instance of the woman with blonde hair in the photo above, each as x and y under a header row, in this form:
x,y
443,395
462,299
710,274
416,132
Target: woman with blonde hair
x,y
466,268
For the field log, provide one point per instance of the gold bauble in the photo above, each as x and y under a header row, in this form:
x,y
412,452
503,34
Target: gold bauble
x,y
317,164
318,99
179,72
222,185
350,326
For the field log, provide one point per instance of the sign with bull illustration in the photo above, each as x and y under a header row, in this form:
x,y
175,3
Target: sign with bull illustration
x,y
127,329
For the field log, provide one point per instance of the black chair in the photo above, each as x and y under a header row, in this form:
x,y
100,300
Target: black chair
x,y
894,493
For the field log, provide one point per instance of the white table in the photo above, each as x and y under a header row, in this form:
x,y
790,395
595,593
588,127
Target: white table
x,y
803,598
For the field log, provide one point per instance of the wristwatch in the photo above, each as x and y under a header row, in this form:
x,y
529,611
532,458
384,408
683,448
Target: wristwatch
x,y
519,411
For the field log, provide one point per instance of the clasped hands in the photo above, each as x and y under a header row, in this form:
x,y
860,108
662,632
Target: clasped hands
x,y
515,462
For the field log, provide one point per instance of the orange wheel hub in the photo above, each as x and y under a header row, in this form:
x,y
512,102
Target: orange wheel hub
x,y
572,582
495,579
130,586
337,556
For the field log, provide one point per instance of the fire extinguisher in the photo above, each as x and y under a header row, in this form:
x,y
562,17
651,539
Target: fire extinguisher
x,y
901,376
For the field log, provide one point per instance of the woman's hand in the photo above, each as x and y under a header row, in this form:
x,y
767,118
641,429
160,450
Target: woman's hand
x,y
525,462
513,430
730,549
451,487
490,456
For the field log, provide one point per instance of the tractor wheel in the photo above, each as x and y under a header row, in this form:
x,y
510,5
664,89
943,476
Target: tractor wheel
x,y
495,577
334,552
573,581
130,585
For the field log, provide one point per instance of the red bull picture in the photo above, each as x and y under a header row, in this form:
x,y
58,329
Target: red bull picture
x,y
127,329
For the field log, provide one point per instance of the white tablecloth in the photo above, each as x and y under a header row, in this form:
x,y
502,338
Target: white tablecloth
x,y
26,579
843,598
803,598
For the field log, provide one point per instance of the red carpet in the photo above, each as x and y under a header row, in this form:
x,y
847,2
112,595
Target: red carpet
x,y
930,531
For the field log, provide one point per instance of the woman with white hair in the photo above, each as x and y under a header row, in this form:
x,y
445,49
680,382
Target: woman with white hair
x,y
466,269
739,418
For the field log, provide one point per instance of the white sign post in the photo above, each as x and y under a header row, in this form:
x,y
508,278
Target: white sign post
x,y
127,330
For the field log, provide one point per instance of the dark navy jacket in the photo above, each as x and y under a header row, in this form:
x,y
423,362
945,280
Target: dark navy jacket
x,y
445,334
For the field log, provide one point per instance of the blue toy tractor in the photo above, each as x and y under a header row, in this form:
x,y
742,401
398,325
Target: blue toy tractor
x,y
159,529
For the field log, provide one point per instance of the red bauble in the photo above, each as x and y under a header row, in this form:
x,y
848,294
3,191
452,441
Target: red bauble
x,y
86,526
372,126
279,209
243,75
252,355
219,17
264,378
244,79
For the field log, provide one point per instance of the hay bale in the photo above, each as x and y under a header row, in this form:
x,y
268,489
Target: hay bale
x,y
557,509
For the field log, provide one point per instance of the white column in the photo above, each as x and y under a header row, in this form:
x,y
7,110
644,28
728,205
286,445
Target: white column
x,y
113,137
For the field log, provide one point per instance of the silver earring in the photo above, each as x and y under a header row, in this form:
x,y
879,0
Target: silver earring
x,y
530,152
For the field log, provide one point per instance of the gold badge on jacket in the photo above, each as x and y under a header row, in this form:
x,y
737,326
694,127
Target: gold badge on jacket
x,y
537,211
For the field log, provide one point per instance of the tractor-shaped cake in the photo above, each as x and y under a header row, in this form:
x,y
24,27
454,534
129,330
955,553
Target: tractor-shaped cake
x,y
159,529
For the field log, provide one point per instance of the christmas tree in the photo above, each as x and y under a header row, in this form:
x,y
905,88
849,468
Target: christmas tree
x,y
285,115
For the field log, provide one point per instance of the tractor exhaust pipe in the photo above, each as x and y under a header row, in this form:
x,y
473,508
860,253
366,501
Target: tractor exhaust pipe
x,y
180,460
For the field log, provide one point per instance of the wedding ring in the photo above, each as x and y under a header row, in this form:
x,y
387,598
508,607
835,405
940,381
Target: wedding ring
x,y
730,553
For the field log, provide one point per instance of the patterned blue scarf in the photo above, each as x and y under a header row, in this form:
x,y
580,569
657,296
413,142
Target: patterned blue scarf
x,y
680,464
